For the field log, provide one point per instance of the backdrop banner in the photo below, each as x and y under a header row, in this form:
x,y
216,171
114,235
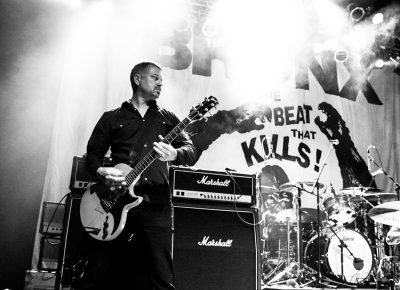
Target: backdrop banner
x,y
319,106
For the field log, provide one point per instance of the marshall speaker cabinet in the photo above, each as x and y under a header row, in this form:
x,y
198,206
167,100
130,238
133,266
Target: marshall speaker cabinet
x,y
216,247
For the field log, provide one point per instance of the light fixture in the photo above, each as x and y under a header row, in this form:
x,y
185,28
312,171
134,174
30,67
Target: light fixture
x,y
341,55
379,63
377,18
357,13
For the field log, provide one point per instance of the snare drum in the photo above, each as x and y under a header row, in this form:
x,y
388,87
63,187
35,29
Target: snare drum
x,y
339,209
353,271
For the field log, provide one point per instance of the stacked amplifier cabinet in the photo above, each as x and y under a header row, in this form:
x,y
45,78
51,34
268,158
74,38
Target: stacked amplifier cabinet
x,y
216,234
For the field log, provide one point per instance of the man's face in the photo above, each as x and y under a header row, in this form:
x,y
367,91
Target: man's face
x,y
150,83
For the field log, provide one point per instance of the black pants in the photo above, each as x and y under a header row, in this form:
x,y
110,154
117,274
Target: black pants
x,y
142,263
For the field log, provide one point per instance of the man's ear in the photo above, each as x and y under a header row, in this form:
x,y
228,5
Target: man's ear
x,y
137,78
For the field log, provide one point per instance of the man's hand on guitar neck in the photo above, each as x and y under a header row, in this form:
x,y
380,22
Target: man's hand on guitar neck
x,y
111,176
165,151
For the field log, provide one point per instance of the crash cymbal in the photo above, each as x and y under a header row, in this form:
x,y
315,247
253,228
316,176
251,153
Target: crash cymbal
x,y
308,215
380,196
386,213
294,186
353,191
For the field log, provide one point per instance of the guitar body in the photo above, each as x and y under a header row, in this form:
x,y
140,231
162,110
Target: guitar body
x,y
103,211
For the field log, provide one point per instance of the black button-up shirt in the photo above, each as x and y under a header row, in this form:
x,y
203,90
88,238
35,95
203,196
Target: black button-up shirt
x,y
120,129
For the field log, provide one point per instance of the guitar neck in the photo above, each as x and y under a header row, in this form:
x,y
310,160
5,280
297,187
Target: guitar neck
x,y
152,155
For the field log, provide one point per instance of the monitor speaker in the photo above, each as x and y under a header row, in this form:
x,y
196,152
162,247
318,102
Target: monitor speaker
x,y
216,248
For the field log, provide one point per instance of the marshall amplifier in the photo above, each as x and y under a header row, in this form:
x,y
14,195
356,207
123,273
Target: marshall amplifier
x,y
216,247
215,186
80,177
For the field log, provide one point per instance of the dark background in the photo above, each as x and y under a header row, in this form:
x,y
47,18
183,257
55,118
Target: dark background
x,y
29,86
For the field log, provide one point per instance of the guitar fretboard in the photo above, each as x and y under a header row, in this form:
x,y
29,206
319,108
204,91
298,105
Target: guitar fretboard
x,y
152,155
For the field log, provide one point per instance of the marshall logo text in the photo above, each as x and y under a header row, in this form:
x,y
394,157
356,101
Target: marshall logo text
x,y
213,243
206,181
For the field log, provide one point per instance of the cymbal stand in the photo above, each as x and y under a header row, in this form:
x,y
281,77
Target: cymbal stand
x,y
297,204
333,142
396,184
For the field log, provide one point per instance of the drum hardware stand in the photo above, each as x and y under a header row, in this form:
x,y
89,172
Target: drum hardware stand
x,y
297,203
295,268
319,276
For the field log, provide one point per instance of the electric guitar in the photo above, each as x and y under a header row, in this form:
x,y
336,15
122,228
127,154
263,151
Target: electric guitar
x,y
103,210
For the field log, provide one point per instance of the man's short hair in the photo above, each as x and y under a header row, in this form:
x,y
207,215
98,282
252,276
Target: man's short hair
x,y
140,68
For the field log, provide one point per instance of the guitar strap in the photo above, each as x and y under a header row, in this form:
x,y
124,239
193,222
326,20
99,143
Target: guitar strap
x,y
142,139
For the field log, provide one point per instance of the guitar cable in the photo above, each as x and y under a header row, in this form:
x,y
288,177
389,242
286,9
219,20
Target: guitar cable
x,y
228,171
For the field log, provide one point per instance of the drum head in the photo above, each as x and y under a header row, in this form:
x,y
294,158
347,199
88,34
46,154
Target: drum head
x,y
354,270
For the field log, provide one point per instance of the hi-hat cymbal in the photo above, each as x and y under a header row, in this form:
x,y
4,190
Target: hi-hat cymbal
x,y
268,189
295,186
308,215
386,213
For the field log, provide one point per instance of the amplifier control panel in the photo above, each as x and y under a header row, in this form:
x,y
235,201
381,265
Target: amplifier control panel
x,y
220,186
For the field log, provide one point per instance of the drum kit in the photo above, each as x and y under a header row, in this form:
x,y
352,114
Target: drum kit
x,y
341,242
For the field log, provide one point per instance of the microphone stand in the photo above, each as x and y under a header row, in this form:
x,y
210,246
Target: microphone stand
x,y
333,142
397,185
341,246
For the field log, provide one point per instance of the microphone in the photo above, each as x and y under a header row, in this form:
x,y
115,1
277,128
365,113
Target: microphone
x,y
369,157
271,149
333,192
358,263
334,141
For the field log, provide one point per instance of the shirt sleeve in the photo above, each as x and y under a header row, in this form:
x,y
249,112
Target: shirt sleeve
x,y
98,145
186,151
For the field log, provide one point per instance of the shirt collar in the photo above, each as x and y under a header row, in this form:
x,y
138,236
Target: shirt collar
x,y
128,105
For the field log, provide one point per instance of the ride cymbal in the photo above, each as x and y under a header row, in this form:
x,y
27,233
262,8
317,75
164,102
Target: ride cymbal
x,y
386,213
380,196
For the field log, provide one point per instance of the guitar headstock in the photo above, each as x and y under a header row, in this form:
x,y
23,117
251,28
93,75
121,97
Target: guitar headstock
x,y
198,112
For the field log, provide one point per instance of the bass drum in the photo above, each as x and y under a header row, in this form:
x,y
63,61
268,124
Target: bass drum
x,y
354,271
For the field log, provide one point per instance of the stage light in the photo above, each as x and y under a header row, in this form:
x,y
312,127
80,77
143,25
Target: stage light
x,y
341,55
182,24
379,64
357,14
71,3
377,18
210,28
